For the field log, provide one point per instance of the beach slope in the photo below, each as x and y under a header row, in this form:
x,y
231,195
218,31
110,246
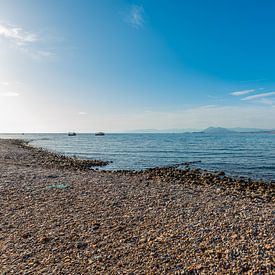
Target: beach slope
x,y
58,216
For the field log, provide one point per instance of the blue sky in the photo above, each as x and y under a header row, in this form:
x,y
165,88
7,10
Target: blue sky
x,y
123,65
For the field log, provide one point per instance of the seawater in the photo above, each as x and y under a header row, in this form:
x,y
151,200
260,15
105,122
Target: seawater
x,y
240,154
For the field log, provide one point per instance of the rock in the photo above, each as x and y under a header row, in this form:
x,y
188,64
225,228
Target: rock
x,y
96,226
81,245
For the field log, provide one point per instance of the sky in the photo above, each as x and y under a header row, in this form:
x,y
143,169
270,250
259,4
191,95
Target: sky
x,y
116,66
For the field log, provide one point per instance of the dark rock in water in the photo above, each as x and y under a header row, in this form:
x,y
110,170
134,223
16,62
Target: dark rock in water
x,y
221,174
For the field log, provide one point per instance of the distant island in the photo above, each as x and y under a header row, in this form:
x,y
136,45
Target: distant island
x,y
209,130
218,130
221,130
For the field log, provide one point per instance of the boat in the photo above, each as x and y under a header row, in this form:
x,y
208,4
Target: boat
x,y
99,134
71,134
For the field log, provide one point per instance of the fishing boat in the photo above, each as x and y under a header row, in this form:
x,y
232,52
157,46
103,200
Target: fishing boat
x,y
99,134
71,134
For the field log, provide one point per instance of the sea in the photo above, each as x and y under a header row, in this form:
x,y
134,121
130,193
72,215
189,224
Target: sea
x,y
250,155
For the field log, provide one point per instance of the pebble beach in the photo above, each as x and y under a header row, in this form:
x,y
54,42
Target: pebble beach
x,y
59,215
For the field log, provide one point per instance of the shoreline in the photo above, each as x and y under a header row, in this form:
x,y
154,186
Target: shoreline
x,y
180,166
61,216
167,173
237,162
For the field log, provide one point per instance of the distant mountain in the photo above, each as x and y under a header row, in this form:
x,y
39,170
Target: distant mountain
x,y
173,130
221,130
218,130
209,130
250,130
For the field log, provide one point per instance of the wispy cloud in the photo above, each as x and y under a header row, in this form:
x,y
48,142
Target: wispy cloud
x,y
243,92
17,35
135,16
9,94
8,89
38,55
82,113
216,98
267,101
258,96
26,42
4,83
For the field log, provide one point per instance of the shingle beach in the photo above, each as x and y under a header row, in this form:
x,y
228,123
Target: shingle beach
x,y
59,216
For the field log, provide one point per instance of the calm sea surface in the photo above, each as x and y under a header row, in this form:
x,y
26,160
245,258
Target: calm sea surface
x,y
251,155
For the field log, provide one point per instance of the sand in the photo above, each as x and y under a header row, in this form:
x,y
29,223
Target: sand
x,y
60,217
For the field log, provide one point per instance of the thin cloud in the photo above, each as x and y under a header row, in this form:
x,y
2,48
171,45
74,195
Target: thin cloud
x,y
267,101
39,55
216,98
9,94
9,89
4,83
243,92
82,113
17,35
135,16
26,42
45,54
257,96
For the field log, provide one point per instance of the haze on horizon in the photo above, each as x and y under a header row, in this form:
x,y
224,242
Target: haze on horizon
x,y
124,65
